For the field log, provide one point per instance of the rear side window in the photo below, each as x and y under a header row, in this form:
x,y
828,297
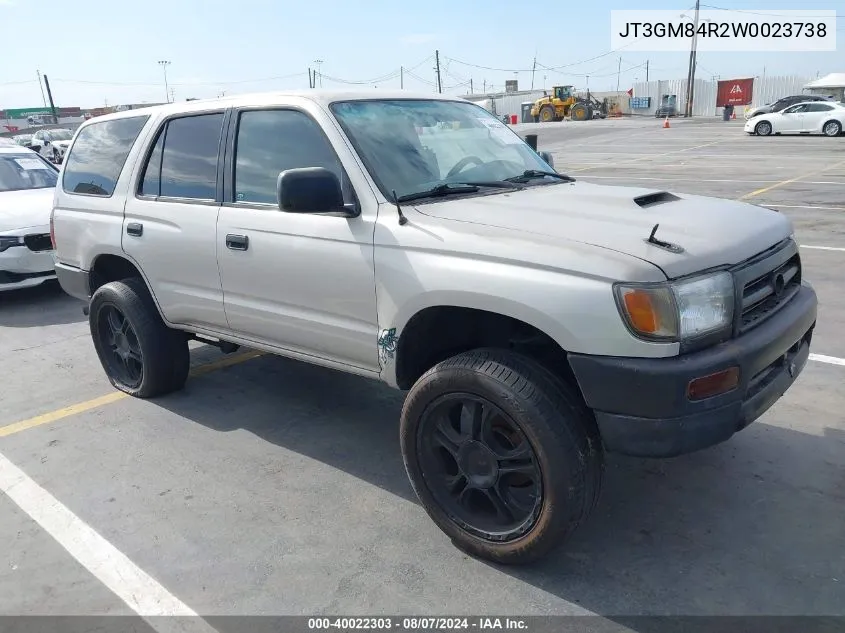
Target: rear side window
x,y
189,157
98,155
819,107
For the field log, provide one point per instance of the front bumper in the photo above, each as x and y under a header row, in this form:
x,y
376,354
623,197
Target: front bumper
x,y
641,404
21,267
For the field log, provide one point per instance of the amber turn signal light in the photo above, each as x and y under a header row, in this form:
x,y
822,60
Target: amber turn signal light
x,y
714,384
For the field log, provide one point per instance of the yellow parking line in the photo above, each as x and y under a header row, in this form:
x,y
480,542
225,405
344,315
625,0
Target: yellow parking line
x,y
58,414
757,192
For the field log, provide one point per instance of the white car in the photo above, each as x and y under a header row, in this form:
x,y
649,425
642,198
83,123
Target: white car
x,y
52,144
27,184
813,117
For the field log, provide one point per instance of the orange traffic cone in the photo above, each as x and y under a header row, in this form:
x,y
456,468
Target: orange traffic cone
x,y
666,123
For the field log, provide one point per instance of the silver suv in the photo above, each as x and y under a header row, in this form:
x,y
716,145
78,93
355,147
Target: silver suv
x,y
535,321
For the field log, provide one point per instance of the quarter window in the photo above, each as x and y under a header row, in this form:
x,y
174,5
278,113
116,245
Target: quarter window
x,y
98,155
189,157
271,141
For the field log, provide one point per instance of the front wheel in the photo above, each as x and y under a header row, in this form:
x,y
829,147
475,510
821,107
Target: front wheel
x,y
763,128
501,455
139,353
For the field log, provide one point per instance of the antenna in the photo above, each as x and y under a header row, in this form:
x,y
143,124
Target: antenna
x,y
402,219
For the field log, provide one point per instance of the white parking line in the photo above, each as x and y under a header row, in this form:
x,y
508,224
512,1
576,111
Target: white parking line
x,y
142,593
823,248
830,360
804,206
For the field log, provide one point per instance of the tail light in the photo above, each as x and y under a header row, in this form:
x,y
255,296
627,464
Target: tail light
x,y
52,230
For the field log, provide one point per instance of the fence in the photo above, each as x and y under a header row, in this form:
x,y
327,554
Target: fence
x,y
765,90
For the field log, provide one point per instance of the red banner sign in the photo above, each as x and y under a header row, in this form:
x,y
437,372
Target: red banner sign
x,y
735,92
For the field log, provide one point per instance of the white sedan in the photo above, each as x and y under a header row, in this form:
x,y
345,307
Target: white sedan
x,y
815,117
27,184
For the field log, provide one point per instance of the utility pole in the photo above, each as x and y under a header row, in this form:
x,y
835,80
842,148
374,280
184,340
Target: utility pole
x,y
692,62
437,68
646,71
485,87
40,85
533,70
319,63
618,73
164,64
310,84
401,78
50,95
470,86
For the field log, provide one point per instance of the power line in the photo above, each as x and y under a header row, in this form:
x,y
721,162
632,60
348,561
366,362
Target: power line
x,y
774,15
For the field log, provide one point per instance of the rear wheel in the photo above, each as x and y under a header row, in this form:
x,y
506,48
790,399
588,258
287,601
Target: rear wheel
x,y
763,128
501,456
139,353
832,128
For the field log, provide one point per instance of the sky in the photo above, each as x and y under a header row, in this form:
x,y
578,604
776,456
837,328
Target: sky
x,y
98,53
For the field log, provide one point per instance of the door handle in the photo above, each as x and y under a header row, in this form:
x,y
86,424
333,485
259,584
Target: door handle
x,y
135,229
237,242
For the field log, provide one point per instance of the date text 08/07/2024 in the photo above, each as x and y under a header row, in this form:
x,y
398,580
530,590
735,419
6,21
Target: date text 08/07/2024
x,y
417,624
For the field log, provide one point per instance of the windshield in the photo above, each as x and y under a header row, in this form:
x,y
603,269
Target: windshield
x,y
60,135
413,145
25,171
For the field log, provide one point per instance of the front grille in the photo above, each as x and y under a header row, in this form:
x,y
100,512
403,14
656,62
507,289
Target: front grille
x,y
39,242
767,293
12,278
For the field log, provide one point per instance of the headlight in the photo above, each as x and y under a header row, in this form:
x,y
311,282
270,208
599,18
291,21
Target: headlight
x,y
678,311
8,241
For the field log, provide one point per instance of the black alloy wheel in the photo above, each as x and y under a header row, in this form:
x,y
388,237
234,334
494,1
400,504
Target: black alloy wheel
x,y
480,467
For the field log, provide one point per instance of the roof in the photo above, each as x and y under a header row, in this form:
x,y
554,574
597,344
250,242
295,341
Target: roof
x,y
323,97
833,80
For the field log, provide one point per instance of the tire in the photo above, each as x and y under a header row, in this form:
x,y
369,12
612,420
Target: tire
x,y
580,112
547,114
763,128
551,423
147,358
832,128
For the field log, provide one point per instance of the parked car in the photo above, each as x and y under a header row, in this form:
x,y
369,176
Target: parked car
x,y
52,144
24,140
815,117
27,184
784,102
537,322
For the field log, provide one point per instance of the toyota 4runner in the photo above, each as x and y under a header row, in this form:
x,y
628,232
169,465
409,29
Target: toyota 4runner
x,y
535,321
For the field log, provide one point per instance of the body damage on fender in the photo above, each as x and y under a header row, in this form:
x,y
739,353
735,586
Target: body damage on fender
x,y
387,343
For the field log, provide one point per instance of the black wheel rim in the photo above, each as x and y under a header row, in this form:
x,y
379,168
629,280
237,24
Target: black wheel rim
x,y
480,467
122,351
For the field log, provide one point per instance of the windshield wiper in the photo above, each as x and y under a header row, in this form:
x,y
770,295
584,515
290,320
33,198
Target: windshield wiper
x,y
532,174
450,188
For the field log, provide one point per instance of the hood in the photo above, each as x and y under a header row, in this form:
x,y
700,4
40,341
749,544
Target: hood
x,y
25,209
712,231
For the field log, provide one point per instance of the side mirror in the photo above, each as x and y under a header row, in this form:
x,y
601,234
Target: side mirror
x,y
312,190
546,156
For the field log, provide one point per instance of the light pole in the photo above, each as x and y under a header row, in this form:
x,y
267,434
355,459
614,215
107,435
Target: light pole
x,y
319,63
164,64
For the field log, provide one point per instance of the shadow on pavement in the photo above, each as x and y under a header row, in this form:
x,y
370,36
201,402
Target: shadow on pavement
x,y
754,526
42,305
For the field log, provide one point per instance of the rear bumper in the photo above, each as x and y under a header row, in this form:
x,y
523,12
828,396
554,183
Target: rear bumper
x,y
641,404
74,281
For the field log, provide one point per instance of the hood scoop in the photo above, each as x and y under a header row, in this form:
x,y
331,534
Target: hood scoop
x,y
653,199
